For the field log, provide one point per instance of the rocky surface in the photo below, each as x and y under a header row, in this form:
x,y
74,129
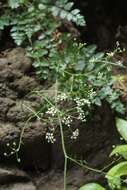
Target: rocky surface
x,y
19,186
15,179
16,104
54,180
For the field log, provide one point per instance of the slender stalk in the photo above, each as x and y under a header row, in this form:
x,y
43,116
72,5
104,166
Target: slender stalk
x,y
62,136
62,139
65,173
84,165
64,152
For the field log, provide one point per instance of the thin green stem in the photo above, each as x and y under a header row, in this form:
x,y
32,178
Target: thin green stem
x,y
84,165
62,136
62,140
65,173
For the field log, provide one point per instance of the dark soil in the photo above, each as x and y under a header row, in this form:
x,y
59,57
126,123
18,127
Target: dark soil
x,y
106,22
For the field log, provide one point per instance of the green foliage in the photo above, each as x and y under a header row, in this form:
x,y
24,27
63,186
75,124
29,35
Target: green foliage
x,y
115,176
35,23
34,16
78,68
63,10
115,173
120,150
121,125
92,186
15,3
4,21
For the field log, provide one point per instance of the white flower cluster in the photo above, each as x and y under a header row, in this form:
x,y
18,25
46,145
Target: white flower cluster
x,y
50,137
52,111
81,115
75,134
82,102
62,97
110,54
67,120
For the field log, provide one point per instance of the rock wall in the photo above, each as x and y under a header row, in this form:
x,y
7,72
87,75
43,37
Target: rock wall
x,y
17,82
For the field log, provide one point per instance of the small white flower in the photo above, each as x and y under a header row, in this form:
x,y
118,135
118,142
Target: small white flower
x,y
75,134
8,144
117,44
52,111
82,102
19,160
50,137
81,115
62,97
67,120
110,54
5,154
14,143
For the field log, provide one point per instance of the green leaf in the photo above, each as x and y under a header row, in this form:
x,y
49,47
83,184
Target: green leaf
x,y
121,125
75,11
97,101
69,17
121,150
41,6
55,11
63,14
4,21
91,49
80,65
115,173
68,6
92,186
14,3
98,56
